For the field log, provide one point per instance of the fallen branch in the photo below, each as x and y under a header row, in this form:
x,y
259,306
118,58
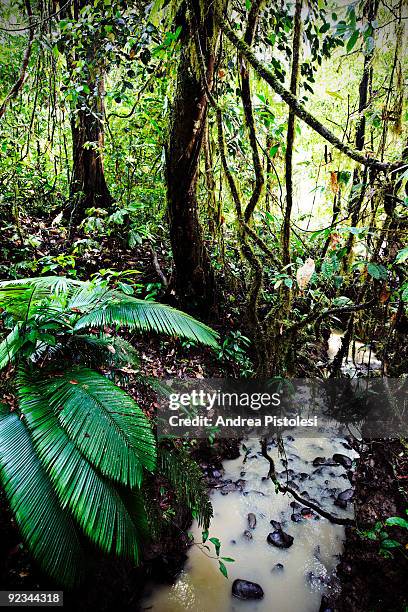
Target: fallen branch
x,y
157,267
305,502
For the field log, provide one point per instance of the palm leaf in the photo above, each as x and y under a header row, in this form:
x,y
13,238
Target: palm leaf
x,y
47,529
130,312
93,500
10,346
104,423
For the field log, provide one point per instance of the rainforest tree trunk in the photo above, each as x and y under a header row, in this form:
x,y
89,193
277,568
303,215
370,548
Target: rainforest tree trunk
x,y
194,276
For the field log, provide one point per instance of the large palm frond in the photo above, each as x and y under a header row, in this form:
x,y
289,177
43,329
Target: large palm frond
x,y
92,499
10,346
126,311
47,529
103,422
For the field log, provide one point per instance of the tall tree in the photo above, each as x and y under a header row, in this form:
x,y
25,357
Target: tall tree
x,y
194,276
88,184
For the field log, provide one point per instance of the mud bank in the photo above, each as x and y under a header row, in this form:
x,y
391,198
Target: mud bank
x,y
369,582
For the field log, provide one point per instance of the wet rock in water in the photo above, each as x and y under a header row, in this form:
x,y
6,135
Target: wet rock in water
x,y
254,491
244,589
251,520
294,486
279,567
346,495
233,541
322,461
247,534
345,461
295,505
296,517
280,539
216,474
275,524
240,483
340,503
303,476
305,495
242,474
307,513
265,478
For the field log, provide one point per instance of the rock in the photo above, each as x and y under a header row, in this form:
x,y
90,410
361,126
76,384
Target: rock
x,y
216,473
322,461
295,505
242,474
340,503
280,539
233,541
307,513
303,476
244,589
296,517
345,461
251,520
254,491
247,534
346,495
240,483
278,568
276,524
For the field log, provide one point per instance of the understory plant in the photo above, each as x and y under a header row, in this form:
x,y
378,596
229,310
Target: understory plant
x,y
75,448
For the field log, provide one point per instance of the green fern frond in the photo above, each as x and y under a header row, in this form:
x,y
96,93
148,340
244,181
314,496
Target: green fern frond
x,y
104,423
91,498
47,529
126,311
10,346
188,482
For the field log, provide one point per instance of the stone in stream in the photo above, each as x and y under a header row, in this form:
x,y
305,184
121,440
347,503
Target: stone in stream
x,y
346,495
247,534
279,567
251,520
321,461
280,539
242,474
244,589
229,488
296,517
345,461
295,505
340,503
275,524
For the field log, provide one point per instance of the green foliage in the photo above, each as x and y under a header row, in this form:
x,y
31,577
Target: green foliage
x,y
188,482
81,442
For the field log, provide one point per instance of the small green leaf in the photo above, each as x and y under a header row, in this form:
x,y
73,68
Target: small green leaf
x,y
402,256
217,545
390,544
228,559
223,569
397,521
352,40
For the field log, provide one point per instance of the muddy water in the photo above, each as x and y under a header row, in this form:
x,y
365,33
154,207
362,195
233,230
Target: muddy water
x,y
307,564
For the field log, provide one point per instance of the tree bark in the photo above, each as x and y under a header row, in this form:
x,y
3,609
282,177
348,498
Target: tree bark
x,y
88,186
194,277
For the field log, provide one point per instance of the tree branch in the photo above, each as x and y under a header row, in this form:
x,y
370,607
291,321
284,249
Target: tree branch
x,y
26,58
295,105
305,502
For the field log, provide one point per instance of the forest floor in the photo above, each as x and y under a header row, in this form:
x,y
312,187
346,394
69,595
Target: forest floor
x,y
368,580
